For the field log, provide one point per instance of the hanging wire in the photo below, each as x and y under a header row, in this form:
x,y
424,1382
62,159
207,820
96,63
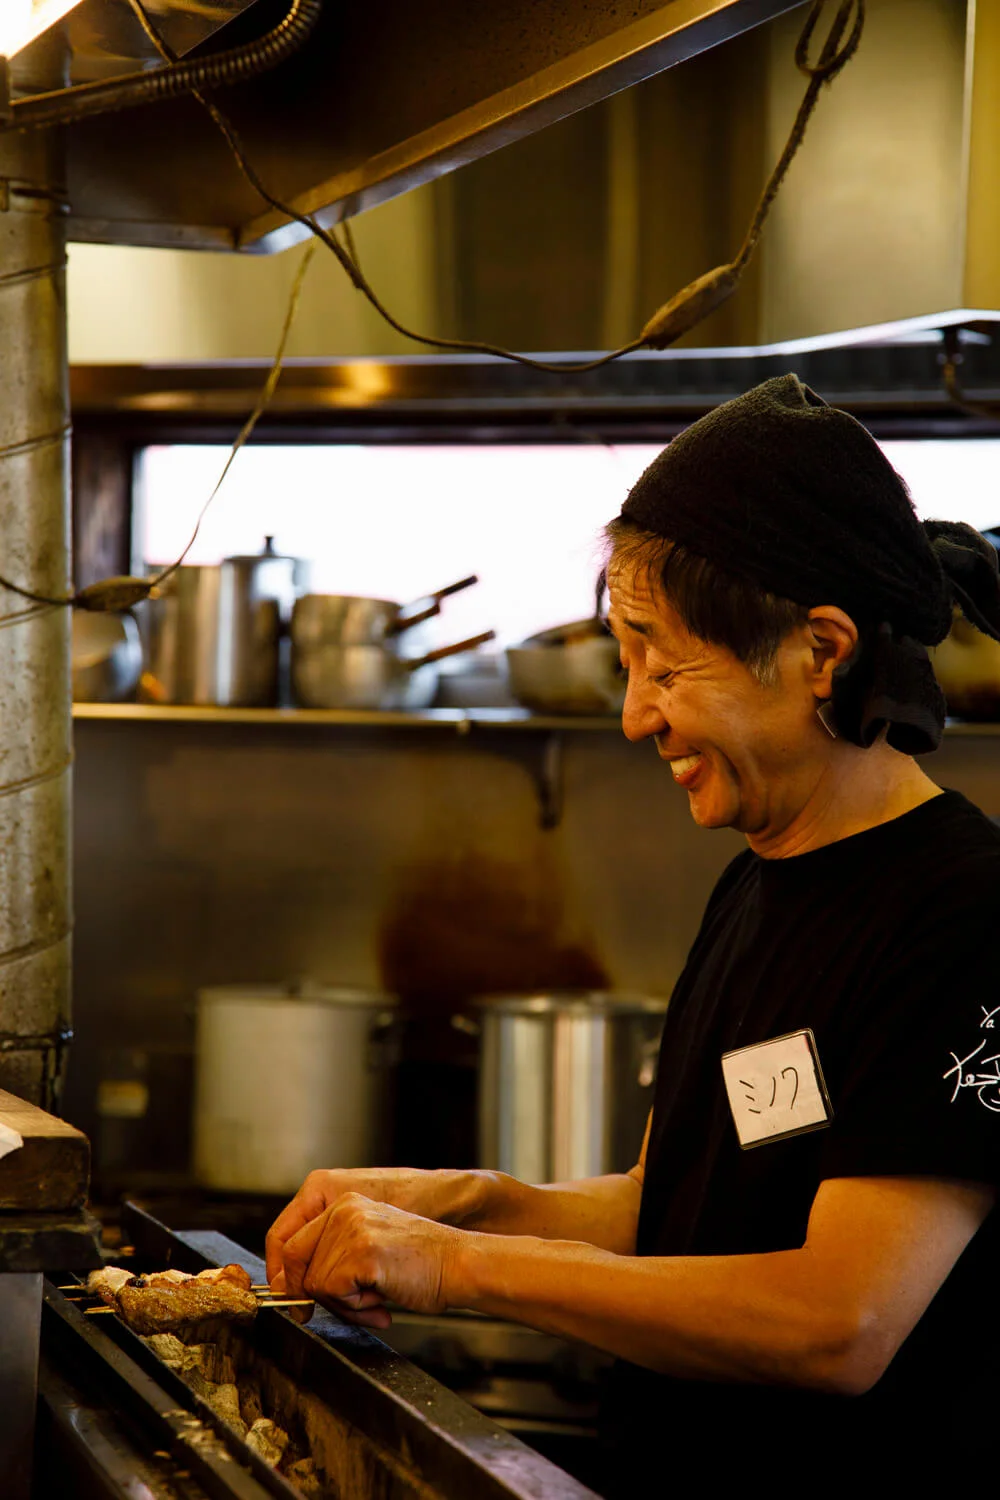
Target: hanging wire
x,y
683,312
263,402
676,317
117,594
702,296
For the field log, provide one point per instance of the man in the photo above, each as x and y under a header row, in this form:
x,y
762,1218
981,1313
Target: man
x,y
802,1261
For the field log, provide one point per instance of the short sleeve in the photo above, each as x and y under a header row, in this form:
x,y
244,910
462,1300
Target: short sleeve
x,y
919,1085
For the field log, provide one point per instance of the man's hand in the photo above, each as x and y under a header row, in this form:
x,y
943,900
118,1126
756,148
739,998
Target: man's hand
x,y
359,1253
450,1197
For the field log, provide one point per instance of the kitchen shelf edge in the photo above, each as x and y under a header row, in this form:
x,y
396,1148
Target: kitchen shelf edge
x,y
459,719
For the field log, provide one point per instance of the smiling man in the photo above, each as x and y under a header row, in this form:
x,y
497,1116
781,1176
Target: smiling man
x,y
800,1267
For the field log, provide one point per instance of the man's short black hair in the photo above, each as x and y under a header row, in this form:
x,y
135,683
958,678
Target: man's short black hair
x,y
713,604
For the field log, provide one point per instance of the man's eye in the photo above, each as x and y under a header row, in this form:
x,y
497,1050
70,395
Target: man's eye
x,y
662,679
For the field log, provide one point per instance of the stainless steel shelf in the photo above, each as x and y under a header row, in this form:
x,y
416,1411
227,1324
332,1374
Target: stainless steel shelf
x,y
460,720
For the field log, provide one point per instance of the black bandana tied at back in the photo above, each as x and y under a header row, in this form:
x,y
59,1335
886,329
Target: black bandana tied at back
x,y
795,496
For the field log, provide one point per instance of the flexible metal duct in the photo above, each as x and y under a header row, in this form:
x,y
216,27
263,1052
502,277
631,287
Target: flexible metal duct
x,y
35,729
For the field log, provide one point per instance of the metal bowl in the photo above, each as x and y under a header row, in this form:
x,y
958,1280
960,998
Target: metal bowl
x,y
581,677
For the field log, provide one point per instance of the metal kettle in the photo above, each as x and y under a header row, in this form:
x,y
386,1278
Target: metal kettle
x,y
215,634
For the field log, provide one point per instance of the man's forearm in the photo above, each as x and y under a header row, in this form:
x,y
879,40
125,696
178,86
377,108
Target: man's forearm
x,y
599,1211
752,1318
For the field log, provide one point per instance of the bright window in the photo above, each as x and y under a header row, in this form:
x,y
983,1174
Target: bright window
x,y
398,521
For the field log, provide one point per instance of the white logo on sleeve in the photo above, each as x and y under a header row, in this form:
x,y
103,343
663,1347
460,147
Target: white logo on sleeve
x,y
976,1071
776,1089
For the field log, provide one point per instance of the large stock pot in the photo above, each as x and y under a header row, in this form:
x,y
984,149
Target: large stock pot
x,y
565,1081
289,1078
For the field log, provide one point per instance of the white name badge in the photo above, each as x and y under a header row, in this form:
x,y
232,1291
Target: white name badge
x,y
776,1089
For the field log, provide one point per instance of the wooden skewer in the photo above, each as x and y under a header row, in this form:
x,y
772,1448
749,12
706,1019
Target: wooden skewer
x,y
93,1312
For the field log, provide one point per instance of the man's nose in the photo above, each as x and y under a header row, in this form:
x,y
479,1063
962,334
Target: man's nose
x,y
641,715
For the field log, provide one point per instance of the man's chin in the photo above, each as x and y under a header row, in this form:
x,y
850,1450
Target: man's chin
x,y
708,814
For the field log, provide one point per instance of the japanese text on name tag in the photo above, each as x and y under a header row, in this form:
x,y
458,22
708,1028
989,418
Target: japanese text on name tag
x,y
776,1088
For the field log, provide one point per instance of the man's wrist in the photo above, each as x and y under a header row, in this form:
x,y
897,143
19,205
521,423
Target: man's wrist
x,y
471,1197
466,1266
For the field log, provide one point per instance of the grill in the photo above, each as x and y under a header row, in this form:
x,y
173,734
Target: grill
x,y
116,1421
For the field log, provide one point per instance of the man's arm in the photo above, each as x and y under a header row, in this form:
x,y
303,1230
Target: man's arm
x,y
601,1211
829,1316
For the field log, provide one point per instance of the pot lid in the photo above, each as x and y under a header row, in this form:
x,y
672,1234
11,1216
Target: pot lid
x,y
266,554
296,992
573,1003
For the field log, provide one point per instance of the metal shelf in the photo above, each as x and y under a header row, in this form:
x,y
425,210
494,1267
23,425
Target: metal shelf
x,y
541,752
461,720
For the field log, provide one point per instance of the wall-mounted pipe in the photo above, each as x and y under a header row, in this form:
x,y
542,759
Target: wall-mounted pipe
x,y
35,725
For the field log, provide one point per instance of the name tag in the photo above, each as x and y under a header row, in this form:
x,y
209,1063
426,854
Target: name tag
x,y
776,1089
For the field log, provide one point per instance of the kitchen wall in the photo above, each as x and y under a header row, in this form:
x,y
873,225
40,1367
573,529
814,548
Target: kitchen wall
x,y
411,859
408,858
134,306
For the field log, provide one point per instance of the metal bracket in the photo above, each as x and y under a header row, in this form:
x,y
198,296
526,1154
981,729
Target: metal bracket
x,y
52,1045
549,780
541,754
43,1041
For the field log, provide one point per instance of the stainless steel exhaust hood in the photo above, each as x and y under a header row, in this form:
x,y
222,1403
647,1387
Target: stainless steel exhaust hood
x,y
568,236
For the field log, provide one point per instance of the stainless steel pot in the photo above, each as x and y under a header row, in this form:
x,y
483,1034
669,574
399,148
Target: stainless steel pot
x,y
349,620
565,1081
572,669
289,1078
214,633
967,665
368,677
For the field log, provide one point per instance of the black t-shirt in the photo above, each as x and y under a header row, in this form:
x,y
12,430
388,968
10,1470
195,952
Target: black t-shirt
x,y
882,944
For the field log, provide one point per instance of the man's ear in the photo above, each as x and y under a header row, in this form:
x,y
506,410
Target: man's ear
x,y
834,642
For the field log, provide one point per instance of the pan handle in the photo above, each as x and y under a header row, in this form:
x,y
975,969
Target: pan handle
x,y
434,608
443,651
455,588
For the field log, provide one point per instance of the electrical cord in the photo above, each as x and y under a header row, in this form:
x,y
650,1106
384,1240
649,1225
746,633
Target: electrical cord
x,y
676,317
263,402
683,312
63,106
114,595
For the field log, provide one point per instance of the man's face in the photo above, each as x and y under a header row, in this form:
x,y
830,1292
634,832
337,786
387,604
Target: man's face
x,y
746,754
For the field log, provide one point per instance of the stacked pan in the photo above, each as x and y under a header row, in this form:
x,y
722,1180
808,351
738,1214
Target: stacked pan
x,y
357,653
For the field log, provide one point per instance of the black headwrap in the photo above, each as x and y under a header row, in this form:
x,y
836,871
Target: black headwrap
x,y
796,496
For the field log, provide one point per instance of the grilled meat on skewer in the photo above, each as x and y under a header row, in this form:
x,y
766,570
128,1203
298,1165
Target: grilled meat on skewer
x,y
166,1301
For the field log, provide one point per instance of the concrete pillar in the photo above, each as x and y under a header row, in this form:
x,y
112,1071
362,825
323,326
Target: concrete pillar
x,y
35,722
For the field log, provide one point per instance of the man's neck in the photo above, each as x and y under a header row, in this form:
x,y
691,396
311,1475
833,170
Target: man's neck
x,y
854,790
